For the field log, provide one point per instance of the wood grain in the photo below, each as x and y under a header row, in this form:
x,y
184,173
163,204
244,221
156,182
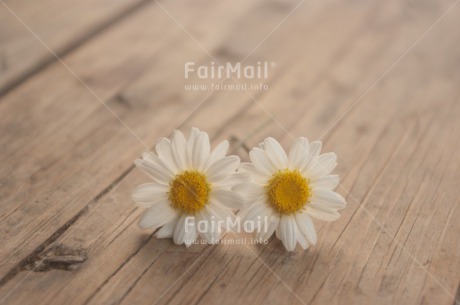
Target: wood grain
x,y
58,24
387,107
67,149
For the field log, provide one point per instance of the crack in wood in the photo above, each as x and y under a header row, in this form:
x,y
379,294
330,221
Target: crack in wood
x,y
38,252
457,296
57,257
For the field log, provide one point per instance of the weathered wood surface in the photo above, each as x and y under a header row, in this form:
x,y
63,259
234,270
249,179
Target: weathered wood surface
x,y
363,76
61,25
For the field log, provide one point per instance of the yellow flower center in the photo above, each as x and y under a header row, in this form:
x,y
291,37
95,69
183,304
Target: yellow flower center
x,y
288,191
189,192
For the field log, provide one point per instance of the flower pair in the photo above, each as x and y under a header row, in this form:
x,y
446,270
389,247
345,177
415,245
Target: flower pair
x,y
196,190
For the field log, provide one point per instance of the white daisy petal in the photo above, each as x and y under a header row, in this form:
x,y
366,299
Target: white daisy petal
x,y
232,180
164,152
190,235
150,193
228,199
202,217
322,213
275,153
218,153
179,149
223,168
328,199
247,167
149,157
201,150
194,133
321,166
223,214
261,162
212,232
307,227
302,239
157,216
326,182
185,230
256,175
255,212
216,227
298,155
288,231
314,150
154,170
250,191
269,228
179,231
277,231
167,230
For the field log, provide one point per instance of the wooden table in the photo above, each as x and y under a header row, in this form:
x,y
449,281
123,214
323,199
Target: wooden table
x,y
86,86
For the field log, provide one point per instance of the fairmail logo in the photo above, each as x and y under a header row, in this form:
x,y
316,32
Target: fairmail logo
x,y
260,70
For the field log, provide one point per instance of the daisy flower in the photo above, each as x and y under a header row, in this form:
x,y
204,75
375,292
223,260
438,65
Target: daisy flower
x,y
287,190
191,188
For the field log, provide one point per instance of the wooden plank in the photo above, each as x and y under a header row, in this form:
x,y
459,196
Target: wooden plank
x,y
391,119
58,24
397,157
76,136
215,120
311,274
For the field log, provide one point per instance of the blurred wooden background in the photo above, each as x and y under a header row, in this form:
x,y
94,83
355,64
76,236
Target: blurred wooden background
x,y
86,85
